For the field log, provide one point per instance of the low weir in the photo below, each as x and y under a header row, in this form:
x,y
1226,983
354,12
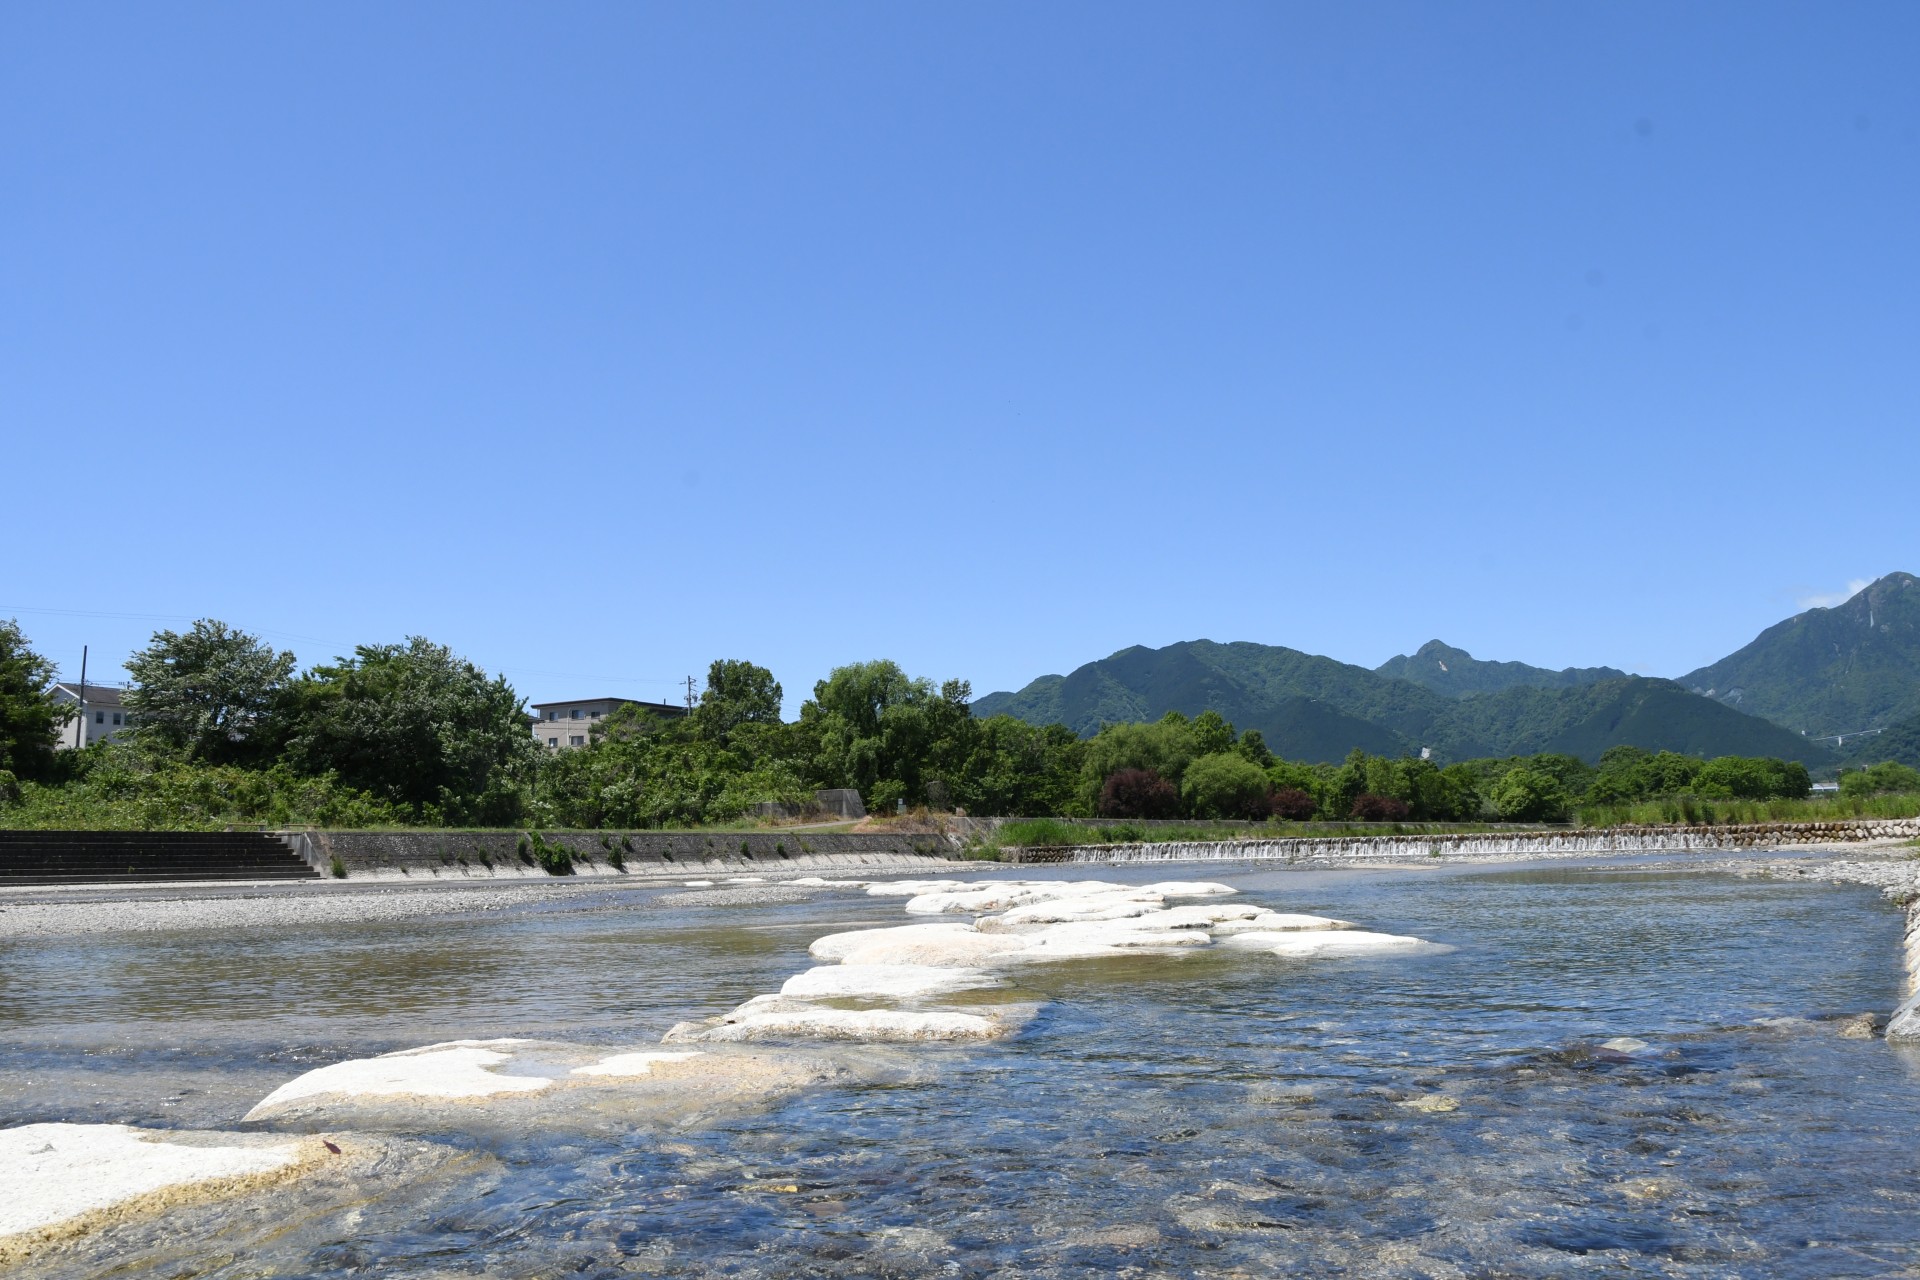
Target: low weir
x,y
1394,848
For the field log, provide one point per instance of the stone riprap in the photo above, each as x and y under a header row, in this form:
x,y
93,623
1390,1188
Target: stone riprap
x,y
1335,850
482,855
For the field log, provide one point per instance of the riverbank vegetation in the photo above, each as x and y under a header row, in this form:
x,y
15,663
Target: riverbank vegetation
x,y
231,732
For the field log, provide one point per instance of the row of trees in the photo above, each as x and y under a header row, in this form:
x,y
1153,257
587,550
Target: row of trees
x,y
412,732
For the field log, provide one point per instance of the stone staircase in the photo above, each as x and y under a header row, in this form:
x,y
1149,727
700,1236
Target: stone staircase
x,y
134,857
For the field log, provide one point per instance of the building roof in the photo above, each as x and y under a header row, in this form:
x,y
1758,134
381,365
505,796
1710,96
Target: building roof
x,y
98,695
666,708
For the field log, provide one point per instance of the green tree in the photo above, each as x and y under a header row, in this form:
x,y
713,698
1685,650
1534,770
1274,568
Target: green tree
x,y
1253,746
30,719
1877,779
1224,785
872,727
420,726
737,693
208,693
1211,734
1165,747
1530,795
1019,770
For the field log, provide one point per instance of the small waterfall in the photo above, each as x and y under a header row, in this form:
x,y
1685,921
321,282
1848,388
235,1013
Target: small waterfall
x,y
1481,844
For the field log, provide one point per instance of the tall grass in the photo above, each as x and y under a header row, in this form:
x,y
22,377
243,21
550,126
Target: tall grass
x,y
1692,811
1029,832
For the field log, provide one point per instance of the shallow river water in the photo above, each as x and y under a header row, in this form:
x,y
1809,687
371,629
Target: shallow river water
x,y
1218,1114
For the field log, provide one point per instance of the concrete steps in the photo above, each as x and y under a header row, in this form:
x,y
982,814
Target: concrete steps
x,y
134,857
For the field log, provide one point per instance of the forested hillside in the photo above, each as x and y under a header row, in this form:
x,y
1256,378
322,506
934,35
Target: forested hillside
x,y
1855,666
1455,673
1314,708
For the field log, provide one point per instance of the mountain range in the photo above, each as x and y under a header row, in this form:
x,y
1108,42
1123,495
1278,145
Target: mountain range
x,y
1860,659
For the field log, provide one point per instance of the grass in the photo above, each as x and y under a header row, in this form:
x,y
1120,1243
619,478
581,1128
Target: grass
x,y
1692,811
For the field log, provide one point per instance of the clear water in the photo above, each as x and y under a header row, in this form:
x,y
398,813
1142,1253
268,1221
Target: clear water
x,y
1221,1114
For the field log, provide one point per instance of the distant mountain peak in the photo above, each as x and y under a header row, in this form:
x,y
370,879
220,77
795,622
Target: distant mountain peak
x,y
1455,673
1830,670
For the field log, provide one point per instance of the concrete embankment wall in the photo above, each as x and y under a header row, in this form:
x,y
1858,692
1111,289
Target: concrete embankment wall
x,y
1761,835
495,854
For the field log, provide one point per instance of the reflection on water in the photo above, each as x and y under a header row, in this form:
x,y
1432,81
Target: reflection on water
x,y
1217,1113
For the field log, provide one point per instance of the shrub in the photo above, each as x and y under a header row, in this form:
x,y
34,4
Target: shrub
x,y
1138,793
554,858
339,868
1372,808
1225,785
1293,804
1879,779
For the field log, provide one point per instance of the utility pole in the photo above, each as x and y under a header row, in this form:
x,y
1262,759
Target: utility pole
x,y
689,695
80,727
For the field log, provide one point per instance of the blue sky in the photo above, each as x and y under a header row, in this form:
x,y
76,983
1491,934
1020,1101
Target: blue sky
x,y
601,340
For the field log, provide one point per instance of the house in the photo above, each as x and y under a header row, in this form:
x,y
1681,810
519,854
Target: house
x,y
570,724
102,718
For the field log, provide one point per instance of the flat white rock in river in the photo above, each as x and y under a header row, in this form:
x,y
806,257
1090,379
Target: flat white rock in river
x,y
633,1064
782,1018
945,945
54,1173
885,981
456,1069
1279,922
1332,942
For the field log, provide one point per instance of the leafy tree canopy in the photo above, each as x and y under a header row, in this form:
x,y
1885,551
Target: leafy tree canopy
x,y
206,693
419,725
30,719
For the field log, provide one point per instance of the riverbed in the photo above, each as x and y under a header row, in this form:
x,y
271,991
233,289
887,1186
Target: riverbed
x,y
1456,1114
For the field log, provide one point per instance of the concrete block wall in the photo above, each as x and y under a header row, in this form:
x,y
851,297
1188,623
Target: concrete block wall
x,y
498,854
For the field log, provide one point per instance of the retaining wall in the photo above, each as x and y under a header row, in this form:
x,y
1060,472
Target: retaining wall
x,y
493,854
1760,835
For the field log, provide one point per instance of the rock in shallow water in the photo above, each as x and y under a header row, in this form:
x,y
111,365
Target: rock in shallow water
x,y
882,981
54,1175
784,1018
512,1082
1342,942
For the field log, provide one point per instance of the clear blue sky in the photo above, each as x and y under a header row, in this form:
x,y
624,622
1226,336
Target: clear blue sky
x,y
601,340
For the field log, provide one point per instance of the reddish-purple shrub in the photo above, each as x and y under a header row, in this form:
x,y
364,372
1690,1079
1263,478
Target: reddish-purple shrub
x,y
1369,808
1293,804
1138,793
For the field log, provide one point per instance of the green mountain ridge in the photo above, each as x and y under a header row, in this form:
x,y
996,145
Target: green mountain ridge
x,y
1316,708
1455,673
1852,667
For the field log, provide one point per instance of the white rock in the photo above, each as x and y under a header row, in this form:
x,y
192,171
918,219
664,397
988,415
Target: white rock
x,y
1190,888
764,1019
699,884
943,945
1206,915
1092,906
815,882
911,888
456,1069
885,981
746,879
53,1173
1279,922
634,1064
1340,942
1091,939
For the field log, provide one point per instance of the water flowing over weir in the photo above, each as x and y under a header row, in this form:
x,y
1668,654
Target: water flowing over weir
x,y
1393,848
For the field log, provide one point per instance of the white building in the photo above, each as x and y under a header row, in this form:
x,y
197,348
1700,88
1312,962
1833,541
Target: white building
x,y
101,718
569,724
